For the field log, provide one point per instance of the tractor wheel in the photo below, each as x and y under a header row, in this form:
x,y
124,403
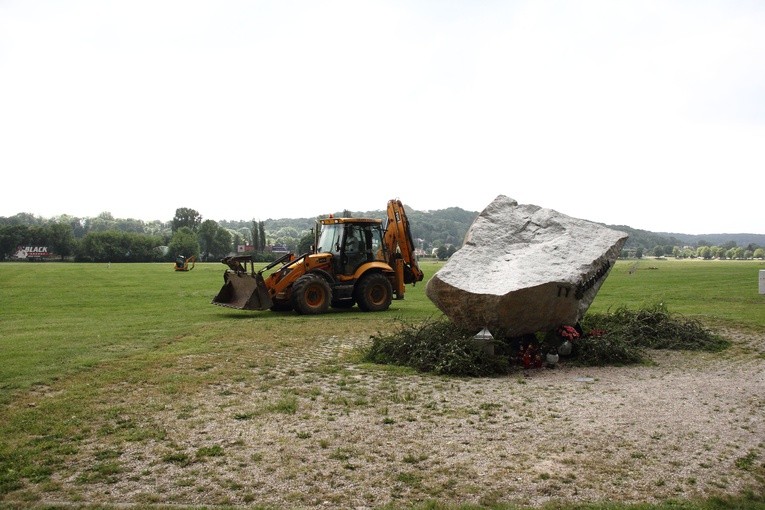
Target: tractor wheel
x,y
374,293
311,295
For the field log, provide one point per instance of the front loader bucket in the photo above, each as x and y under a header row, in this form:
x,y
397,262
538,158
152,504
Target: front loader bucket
x,y
244,292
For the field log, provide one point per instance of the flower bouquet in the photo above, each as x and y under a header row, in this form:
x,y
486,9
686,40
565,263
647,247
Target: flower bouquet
x,y
568,334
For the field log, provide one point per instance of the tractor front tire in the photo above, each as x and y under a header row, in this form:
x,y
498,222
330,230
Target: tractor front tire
x,y
311,295
374,293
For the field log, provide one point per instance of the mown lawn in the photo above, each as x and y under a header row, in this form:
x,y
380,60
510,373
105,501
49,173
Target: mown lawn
x,y
68,330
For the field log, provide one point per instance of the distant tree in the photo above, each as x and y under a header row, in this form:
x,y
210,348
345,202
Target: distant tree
x,y
221,246
184,242
245,234
61,239
261,237
658,251
442,252
142,247
38,235
76,224
286,235
759,253
12,236
214,240
206,237
130,225
185,217
116,246
258,235
305,243
25,219
158,228
97,247
639,252
101,223
255,236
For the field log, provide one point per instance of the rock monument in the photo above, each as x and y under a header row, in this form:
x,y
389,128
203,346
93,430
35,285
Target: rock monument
x,y
524,269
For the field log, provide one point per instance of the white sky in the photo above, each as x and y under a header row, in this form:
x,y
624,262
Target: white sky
x,y
645,113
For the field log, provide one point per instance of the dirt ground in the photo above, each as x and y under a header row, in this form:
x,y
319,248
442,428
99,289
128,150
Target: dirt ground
x,y
318,430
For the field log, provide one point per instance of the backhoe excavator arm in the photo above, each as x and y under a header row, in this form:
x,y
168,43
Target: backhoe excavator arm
x,y
398,239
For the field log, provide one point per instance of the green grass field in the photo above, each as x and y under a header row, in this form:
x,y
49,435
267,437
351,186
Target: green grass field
x,y
67,330
717,292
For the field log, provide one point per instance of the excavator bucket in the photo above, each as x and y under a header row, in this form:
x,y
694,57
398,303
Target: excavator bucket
x,y
243,291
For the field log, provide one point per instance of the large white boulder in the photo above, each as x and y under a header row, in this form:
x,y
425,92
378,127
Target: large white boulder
x,y
523,269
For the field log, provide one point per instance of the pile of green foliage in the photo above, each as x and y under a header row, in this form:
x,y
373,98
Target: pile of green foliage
x,y
620,337
599,348
654,327
435,346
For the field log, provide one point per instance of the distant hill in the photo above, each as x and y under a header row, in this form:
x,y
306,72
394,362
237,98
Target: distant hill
x,y
450,226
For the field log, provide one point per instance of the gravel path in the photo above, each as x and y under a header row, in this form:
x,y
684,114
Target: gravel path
x,y
317,430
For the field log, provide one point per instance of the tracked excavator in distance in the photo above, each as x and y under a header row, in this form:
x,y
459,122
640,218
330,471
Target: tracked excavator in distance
x,y
354,261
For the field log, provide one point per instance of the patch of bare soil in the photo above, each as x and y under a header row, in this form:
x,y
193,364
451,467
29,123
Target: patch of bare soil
x,y
314,429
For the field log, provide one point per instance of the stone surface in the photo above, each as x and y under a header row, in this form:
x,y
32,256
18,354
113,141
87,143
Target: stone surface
x,y
523,269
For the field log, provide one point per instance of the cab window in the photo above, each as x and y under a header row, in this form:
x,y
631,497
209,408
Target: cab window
x,y
329,241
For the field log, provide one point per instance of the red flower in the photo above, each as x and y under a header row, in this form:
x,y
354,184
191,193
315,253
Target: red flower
x,y
568,333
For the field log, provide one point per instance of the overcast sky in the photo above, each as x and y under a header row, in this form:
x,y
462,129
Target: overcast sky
x,y
639,113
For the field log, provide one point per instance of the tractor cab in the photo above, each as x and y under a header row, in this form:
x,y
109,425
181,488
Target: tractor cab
x,y
351,242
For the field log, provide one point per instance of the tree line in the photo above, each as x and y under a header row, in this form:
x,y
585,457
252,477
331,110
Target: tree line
x,y
437,233
706,252
108,239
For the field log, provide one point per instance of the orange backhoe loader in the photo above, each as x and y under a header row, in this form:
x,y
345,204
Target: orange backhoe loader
x,y
354,261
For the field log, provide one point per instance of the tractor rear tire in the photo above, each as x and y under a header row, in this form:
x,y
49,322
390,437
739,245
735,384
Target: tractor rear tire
x,y
311,295
373,293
